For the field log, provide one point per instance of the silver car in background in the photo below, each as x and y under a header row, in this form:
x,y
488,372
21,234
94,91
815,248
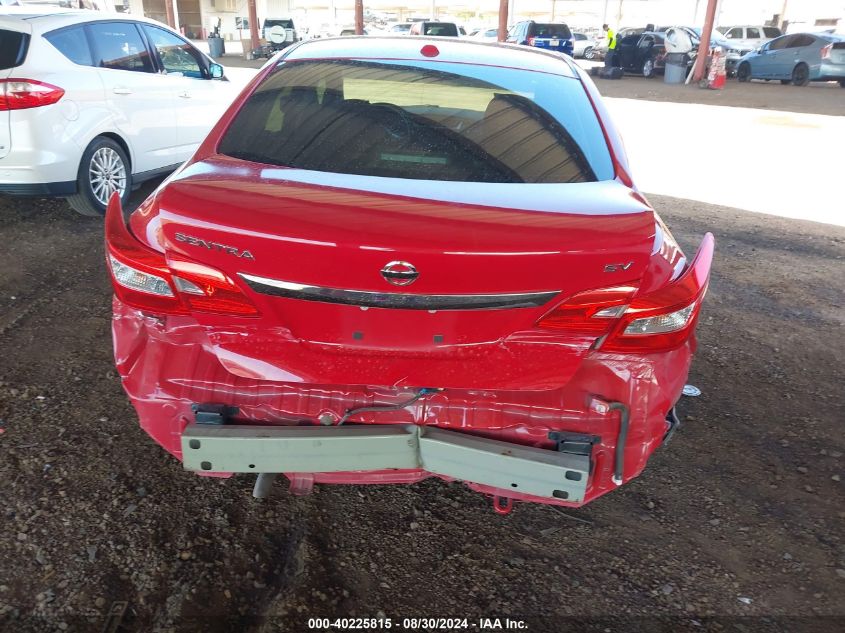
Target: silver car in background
x,y
583,46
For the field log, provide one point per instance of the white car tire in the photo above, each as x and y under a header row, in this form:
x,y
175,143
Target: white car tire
x,y
103,170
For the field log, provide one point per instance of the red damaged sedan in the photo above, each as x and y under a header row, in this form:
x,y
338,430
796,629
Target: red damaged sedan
x,y
401,258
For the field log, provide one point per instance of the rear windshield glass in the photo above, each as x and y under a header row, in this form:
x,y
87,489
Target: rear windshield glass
x,y
560,31
446,29
12,48
424,121
288,24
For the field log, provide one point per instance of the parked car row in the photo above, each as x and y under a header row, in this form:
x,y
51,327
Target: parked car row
x,y
751,52
550,36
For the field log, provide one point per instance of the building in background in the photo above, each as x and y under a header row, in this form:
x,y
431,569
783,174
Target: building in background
x,y
198,18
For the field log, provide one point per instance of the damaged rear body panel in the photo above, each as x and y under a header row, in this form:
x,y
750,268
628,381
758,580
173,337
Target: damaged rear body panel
x,y
170,365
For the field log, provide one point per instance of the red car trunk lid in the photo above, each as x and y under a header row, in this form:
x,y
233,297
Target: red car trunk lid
x,y
263,224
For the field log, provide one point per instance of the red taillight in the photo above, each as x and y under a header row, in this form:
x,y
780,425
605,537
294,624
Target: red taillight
x,y
143,278
826,51
531,41
591,312
654,322
21,94
206,289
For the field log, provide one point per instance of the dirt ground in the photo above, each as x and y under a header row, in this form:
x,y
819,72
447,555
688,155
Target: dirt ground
x,y
737,523
817,98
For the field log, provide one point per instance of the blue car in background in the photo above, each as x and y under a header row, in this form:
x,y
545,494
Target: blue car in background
x,y
545,35
798,58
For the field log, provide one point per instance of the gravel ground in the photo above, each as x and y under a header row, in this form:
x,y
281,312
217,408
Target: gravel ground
x,y
736,525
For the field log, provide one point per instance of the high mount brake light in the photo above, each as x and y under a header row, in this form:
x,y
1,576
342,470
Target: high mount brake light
x,y
22,94
144,279
655,322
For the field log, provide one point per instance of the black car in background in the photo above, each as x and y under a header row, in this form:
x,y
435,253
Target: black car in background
x,y
641,53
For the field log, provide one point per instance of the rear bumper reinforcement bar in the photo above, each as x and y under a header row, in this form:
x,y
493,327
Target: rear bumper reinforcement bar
x,y
307,449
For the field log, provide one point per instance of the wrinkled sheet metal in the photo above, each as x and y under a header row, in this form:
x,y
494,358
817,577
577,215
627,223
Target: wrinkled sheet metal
x,y
168,364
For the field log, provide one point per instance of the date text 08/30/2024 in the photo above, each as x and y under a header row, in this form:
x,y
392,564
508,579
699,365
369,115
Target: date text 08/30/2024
x,y
414,624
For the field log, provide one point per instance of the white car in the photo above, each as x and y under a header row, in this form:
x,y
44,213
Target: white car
x,y
582,45
400,29
93,103
486,35
747,38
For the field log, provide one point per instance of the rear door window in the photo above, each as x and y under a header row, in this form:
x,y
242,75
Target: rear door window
x,y
752,33
119,46
781,42
73,44
801,40
405,119
13,47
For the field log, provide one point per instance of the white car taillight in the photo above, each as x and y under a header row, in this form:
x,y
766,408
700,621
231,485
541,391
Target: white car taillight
x,y
22,94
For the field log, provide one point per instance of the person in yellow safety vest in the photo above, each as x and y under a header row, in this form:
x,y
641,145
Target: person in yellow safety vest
x,y
610,57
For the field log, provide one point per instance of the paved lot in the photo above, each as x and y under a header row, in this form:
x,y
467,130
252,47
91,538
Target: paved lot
x,y
740,517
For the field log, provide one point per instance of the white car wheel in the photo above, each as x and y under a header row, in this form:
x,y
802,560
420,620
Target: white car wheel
x,y
103,171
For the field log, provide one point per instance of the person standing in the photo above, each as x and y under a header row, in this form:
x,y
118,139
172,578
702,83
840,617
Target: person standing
x,y
610,58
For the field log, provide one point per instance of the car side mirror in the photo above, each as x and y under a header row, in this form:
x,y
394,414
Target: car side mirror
x,y
216,71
